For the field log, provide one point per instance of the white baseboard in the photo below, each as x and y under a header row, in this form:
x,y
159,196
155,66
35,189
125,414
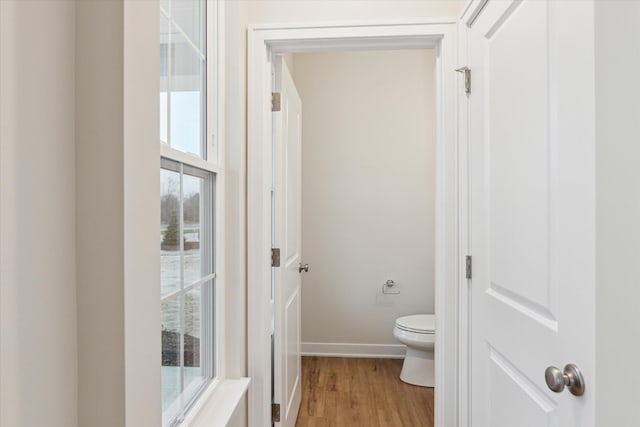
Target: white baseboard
x,y
383,351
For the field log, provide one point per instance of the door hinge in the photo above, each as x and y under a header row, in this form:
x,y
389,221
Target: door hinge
x,y
275,412
275,257
275,101
469,268
467,78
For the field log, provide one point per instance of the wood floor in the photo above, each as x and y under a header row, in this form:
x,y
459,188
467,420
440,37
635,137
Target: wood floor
x,y
361,392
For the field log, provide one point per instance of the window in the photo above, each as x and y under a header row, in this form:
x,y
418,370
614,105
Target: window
x,y
182,75
188,175
187,285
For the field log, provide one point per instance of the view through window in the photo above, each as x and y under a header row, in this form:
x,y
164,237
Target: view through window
x,y
187,210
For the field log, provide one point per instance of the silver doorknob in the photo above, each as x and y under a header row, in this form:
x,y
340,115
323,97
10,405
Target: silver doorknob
x,y
303,267
571,378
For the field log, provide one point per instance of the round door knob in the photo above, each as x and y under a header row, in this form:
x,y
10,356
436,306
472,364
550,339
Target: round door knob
x,y
303,267
571,377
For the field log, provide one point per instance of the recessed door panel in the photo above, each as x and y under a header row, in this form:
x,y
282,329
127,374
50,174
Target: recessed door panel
x,y
292,182
292,351
519,155
515,400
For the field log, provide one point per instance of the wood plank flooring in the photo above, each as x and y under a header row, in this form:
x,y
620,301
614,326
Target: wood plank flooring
x,y
361,392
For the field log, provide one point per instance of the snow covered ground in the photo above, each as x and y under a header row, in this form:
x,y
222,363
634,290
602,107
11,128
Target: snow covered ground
x,y
170,278
170,282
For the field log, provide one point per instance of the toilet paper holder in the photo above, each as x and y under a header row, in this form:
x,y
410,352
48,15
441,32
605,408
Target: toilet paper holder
x,y
387,286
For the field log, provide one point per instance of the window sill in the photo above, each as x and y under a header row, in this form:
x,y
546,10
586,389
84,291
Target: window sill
x,y
218,404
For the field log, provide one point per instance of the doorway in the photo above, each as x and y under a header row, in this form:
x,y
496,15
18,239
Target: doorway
x,y
368,193
263,44
367,219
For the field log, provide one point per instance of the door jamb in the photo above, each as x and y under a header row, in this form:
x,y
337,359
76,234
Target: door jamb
x,y
451,286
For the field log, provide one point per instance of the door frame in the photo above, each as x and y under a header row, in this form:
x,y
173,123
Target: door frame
x,y
451,240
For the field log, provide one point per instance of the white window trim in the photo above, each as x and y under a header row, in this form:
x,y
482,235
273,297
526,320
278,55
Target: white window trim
x,y
188,159
217,403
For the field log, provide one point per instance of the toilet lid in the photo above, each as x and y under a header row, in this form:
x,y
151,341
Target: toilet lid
x,y
420,323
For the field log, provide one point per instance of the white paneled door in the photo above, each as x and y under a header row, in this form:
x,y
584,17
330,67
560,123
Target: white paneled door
x,y
532,225
287,236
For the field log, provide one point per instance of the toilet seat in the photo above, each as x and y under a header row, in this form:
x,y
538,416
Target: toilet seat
x,y
417,324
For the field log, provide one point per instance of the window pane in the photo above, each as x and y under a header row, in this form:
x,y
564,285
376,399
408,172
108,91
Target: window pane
x,y
187,211
170,276
189,15
193,234
165,44
171,353
186,242
187,87
192,356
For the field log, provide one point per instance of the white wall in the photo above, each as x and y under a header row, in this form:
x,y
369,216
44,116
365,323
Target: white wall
x,y
235,135
99,153
235,125
38,347
141,278
618,211
79,252
299,11
118,214
368,171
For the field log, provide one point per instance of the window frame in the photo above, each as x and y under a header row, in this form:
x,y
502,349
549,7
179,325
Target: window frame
x,y
212,162
205,283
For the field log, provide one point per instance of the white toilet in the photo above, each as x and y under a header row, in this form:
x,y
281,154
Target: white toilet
x,y
418,333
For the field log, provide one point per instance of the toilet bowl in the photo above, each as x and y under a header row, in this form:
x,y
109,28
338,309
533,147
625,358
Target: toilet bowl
x,y
418,333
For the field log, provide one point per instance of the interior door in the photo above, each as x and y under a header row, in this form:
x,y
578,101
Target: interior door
x,y
287,236
532,224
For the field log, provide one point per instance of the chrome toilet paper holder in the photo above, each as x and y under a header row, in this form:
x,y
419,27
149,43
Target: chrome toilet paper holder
x,y
388,286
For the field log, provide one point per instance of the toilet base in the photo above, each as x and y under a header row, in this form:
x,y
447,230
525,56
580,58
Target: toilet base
x,y
418,368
